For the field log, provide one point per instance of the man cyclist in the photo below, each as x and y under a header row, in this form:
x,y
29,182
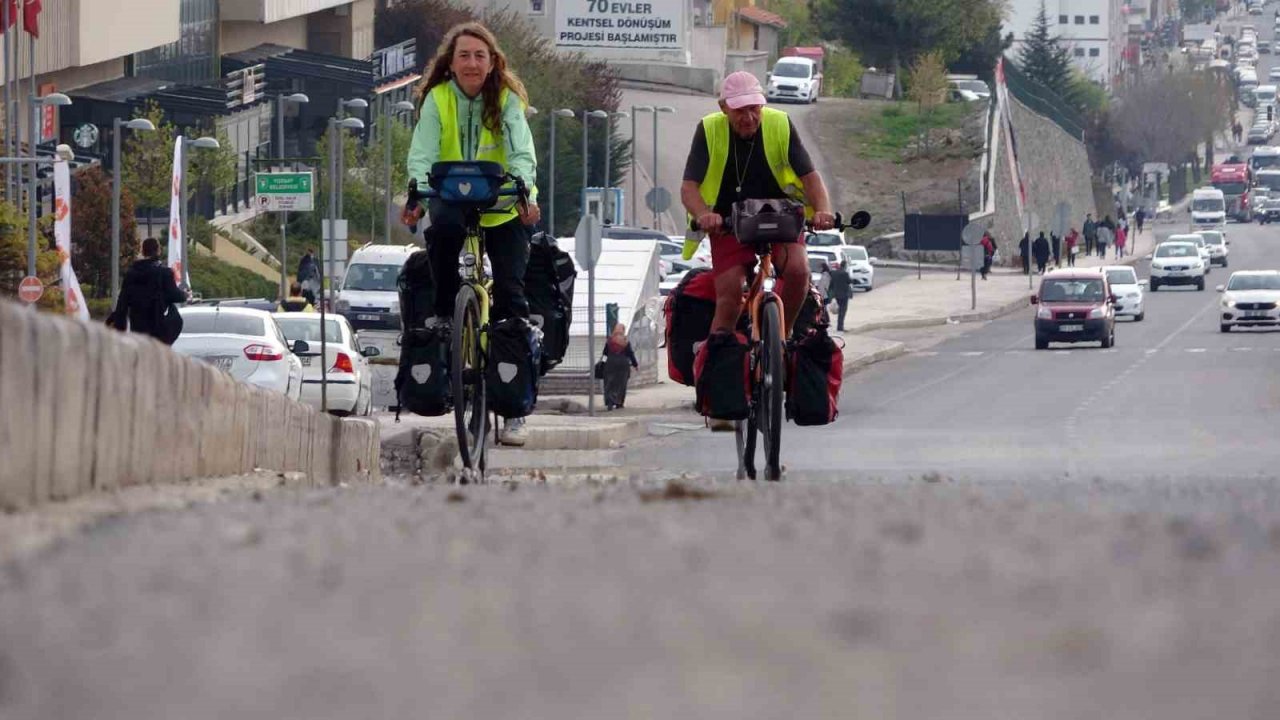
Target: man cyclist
x,y
749,151
471,106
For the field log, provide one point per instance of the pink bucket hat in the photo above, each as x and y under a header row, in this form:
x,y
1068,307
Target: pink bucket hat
x,y
741,89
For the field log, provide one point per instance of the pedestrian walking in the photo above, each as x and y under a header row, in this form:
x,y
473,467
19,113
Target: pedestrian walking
x,y
1139,216
148,297
296,302
841,290
1073,246
1040,249
824,282
1122,236
1024,248
1090,234
1105,231
1056,242
618,360
309,276
988,253
1237,131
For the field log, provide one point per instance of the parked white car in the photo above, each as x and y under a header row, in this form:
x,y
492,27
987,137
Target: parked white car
x,y
861,267
350,380
1128,289
245,343
1250,298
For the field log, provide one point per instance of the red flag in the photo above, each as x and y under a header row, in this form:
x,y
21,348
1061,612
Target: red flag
x,y
13,15
31,17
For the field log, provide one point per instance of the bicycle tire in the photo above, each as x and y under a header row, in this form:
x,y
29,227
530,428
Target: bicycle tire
x,y
467,376
744,436
772,379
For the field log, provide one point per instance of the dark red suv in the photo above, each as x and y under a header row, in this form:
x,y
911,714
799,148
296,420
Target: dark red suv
x,y
1075,306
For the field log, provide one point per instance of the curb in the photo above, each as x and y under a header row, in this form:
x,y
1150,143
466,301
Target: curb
x,y
969,317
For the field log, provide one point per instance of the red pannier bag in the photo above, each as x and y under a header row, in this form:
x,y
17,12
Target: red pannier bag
x,y
723,377
817,371
689,312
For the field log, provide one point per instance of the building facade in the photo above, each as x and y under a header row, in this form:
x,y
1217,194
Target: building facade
x,y
1095,33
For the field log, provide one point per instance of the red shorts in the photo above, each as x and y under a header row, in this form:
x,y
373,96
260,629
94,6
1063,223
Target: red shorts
x,y
727,252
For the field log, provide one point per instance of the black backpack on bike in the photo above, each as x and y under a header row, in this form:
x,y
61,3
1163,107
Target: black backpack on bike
x,y
548,285
416,291
511,376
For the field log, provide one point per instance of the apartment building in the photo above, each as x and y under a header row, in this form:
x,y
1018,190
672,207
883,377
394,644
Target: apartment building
x,y
1095,33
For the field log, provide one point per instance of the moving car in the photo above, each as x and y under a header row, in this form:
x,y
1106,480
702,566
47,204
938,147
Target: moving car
x,y
861,267
1127,288
1268,210
245,343
350,380
1249,299
794,78
1074,305
368,297
1215,241
1177,263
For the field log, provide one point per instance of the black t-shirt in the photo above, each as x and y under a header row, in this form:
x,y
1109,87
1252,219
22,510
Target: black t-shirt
x,y
752,167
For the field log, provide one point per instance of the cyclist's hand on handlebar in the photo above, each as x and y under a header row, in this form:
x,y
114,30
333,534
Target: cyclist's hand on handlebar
x,y
710,222
530,213
411,215
823,220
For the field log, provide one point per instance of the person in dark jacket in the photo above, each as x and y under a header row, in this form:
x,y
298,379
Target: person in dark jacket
x,y
1056,243
1090,234
618,359
988,254
841,288
146,295
1040,248
309,276
1024,249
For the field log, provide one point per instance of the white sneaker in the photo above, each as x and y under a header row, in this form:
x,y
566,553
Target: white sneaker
x,y
514,432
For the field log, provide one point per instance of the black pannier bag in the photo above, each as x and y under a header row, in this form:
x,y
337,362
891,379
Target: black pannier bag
x,y
511,376
817,371
548,285
422,381
416,291
689,311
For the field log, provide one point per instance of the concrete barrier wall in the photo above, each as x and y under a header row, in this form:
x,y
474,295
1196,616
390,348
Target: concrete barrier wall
x,y
85,408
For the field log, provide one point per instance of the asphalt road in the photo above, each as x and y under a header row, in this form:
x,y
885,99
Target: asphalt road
x,y
1174,400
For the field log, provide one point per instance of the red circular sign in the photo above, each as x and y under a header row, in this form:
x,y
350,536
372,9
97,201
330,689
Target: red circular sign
x,y
30,289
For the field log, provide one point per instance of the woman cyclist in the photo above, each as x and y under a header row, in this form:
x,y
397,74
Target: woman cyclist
x,y
471,106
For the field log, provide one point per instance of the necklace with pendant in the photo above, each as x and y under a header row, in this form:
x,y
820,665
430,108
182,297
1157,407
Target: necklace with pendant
x,y
741,173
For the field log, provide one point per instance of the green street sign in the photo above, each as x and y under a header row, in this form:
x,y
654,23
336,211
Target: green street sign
x,y
285,191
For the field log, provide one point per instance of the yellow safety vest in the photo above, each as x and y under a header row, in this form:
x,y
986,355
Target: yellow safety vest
x,y
776,132
490,149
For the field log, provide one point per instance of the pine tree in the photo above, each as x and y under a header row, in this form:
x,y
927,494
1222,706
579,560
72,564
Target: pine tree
x,y
1045,60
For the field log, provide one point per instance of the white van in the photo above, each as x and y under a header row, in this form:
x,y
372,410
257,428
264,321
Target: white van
x,y
1265,95
368,298
1208,209
794,78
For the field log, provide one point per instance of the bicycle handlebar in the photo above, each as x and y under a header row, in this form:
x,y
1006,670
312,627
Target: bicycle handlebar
x,y
857,221
415,196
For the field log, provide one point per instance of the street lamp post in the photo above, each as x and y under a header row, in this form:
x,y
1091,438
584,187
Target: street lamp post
x,y
117,127
635,192
586,131
402,106
281,99
608,152
335,154
52,99
551,170
201,143
343,104
656,111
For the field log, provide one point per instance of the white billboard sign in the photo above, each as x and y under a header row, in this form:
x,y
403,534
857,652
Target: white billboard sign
x,y
621,24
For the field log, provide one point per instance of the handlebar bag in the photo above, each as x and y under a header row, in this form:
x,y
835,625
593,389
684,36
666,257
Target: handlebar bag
x,y
761,222
473,183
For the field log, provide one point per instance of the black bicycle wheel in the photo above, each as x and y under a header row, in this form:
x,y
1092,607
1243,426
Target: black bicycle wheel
x,y
467,360
772,379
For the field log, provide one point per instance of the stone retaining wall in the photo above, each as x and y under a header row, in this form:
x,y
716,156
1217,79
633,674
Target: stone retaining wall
x,y
86,408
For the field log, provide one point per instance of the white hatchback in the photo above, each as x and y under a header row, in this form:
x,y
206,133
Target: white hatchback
x,y
1128,289
349,378
1216,242
245,343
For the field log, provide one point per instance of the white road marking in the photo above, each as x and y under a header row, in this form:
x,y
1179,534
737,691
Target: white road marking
x,y
1195,350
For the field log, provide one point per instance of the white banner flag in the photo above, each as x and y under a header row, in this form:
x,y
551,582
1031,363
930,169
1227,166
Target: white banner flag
x,y
176,234
62,234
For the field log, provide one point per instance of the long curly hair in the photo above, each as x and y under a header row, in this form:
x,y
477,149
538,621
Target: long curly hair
x,y
499,77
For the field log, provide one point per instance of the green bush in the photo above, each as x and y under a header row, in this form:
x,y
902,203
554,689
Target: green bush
x,y
213,278
897,127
